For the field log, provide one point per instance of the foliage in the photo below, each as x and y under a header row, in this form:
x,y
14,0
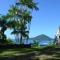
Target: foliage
x,y
20,18
3,28
10,41
28,3
35,44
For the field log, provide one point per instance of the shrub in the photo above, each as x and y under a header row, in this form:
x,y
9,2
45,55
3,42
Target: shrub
x,y
35,44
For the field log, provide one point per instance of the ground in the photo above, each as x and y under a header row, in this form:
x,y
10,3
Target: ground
x,y
30,54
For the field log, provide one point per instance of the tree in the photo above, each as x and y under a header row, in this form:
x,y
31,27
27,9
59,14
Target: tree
x,y
12,17
24,12
25,18
3,27
30,4
22,17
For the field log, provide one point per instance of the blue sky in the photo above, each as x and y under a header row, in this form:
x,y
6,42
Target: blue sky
x,y
45,21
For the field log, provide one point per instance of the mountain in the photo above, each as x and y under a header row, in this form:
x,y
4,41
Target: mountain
x,y
41,37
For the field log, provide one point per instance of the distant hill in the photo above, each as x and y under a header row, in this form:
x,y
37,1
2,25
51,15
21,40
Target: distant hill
x,y
41,37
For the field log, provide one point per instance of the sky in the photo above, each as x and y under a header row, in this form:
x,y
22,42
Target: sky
x,y
45,21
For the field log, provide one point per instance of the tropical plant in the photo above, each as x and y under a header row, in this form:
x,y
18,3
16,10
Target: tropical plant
x,y
35,44
3,27
20,18
12,18
24,12
10,41
30,4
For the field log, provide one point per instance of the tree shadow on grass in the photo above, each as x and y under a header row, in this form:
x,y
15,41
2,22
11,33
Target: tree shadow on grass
x,y
53,52
2,50
32,56
28,56
25,56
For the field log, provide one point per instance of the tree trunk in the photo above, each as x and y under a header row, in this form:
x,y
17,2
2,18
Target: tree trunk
x,y
20,39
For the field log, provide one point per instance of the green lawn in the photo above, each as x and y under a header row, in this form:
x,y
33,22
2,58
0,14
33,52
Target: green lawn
x,y
17,51
33,53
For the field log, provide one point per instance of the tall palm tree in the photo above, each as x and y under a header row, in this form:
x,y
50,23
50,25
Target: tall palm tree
x,y
21,31
26,6
22,16
16,21
25,19
12,17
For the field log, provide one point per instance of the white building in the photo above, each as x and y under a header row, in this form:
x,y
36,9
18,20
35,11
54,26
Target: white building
x,y
58,36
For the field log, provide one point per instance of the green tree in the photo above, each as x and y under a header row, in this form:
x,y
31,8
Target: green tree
x,y
22,17
3,27
25,7
12,17
28,4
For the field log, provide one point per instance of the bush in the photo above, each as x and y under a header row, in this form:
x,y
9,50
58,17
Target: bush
x,y
35,44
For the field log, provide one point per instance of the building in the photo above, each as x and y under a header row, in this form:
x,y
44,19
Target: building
x,y
58,37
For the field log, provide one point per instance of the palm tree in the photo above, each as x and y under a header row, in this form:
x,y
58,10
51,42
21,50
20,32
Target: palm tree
x,y
30,4
17,24
22,17
21,31
12,17
24,11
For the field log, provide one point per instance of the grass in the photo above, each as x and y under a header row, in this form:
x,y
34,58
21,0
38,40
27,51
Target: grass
x,y
46,53
16,51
